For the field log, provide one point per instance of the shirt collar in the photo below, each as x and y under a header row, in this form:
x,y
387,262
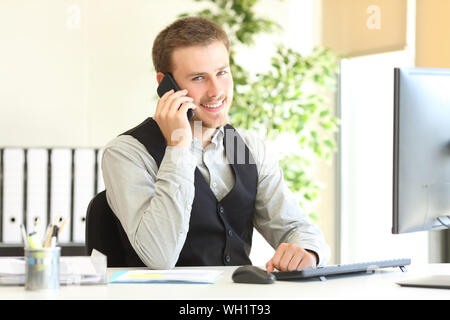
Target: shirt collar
x,y
216,139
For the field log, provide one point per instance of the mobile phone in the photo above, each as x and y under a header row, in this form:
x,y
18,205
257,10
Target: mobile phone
x,y
168,83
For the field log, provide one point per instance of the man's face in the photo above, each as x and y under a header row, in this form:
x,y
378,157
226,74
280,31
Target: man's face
x,y
205,72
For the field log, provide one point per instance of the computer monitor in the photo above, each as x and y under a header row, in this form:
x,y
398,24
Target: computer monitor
x,y
421,179
421,188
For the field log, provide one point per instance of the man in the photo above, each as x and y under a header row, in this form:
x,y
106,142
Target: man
x,y
175,185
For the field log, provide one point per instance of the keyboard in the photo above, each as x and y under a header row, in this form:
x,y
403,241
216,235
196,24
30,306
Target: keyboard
x,y
340,269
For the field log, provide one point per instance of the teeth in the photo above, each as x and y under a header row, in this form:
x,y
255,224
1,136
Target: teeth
x,y
213,105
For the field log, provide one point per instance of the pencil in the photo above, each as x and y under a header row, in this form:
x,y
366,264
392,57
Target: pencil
x,y
62,224
48,234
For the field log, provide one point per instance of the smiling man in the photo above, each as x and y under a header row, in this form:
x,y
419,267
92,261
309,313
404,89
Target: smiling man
x,y
177,187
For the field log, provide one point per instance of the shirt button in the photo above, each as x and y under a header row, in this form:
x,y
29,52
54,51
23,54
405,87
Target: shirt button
x,y
214,184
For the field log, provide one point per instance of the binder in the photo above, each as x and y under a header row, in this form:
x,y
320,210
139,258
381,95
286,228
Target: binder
x,y
13,193
60,189
84,179
37,162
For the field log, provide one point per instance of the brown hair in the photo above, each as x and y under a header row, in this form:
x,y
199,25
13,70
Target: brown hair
x,y
185,32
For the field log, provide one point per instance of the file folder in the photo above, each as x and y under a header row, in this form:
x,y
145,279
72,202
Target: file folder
x,y
37,162
13,194
84,175
60,194
48,183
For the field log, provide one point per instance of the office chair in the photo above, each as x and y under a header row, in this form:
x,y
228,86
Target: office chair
x,y
102,231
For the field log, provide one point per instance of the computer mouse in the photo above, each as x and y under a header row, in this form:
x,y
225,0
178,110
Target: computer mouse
x,y
252,274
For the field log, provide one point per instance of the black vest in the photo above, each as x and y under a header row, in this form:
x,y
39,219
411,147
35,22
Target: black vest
x,y
220,232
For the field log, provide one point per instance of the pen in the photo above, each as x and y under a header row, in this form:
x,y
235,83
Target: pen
x,y
55,231
50,232
37,224
53,242
24,235
37,227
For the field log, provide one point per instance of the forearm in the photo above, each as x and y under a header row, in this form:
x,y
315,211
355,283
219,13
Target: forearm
x,y
161,233
152,204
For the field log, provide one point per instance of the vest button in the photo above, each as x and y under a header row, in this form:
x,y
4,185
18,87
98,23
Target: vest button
x,y
227,258
220,209
230,233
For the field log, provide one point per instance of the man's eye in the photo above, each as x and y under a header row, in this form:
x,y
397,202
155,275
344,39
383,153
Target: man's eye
x,y
222,73
199,78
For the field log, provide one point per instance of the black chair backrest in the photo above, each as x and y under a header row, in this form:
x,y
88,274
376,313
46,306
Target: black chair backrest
x,y
102,231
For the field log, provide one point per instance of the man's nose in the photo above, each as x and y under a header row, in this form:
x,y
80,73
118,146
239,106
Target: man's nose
x,y
214,88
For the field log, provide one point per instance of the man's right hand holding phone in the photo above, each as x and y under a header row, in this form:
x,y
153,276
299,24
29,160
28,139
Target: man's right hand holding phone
x,y
170,115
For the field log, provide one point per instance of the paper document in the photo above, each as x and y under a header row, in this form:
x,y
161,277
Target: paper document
x,y
166,276
72,270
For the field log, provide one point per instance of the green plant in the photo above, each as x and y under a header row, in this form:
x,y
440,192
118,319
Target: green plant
x,y
287,99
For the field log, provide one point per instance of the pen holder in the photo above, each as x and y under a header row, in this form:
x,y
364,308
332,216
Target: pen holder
x,y
42,268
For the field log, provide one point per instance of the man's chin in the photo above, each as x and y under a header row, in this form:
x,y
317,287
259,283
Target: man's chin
x,y
211,124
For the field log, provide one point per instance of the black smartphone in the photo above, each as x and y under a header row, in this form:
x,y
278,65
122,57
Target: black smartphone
x,y
168,83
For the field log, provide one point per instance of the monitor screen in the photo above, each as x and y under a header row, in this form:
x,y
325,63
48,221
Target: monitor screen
x,y
421,179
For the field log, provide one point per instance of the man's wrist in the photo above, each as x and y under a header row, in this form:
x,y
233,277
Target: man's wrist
x,y
315,255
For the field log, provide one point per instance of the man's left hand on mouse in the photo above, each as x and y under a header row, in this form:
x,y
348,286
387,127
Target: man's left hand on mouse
x,y
289,256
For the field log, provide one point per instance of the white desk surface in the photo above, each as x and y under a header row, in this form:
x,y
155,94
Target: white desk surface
x,y
379,285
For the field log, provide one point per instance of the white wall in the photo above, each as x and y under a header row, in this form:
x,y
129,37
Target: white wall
x,y
366,162
77,73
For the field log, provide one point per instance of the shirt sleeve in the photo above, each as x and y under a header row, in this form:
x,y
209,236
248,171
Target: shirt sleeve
x,y
278,216
153,205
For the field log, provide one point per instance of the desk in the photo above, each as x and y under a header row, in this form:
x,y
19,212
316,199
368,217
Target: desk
x,y
379,285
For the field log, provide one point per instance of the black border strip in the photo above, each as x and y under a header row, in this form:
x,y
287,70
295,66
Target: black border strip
x,y
72,192
25,188
49,185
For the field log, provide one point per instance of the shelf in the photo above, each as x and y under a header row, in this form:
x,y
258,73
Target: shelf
x,y
67,249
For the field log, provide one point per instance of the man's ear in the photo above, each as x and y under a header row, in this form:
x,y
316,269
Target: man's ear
x,y
159,77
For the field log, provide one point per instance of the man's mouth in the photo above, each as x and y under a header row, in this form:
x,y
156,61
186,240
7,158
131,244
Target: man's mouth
x,y
214,106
